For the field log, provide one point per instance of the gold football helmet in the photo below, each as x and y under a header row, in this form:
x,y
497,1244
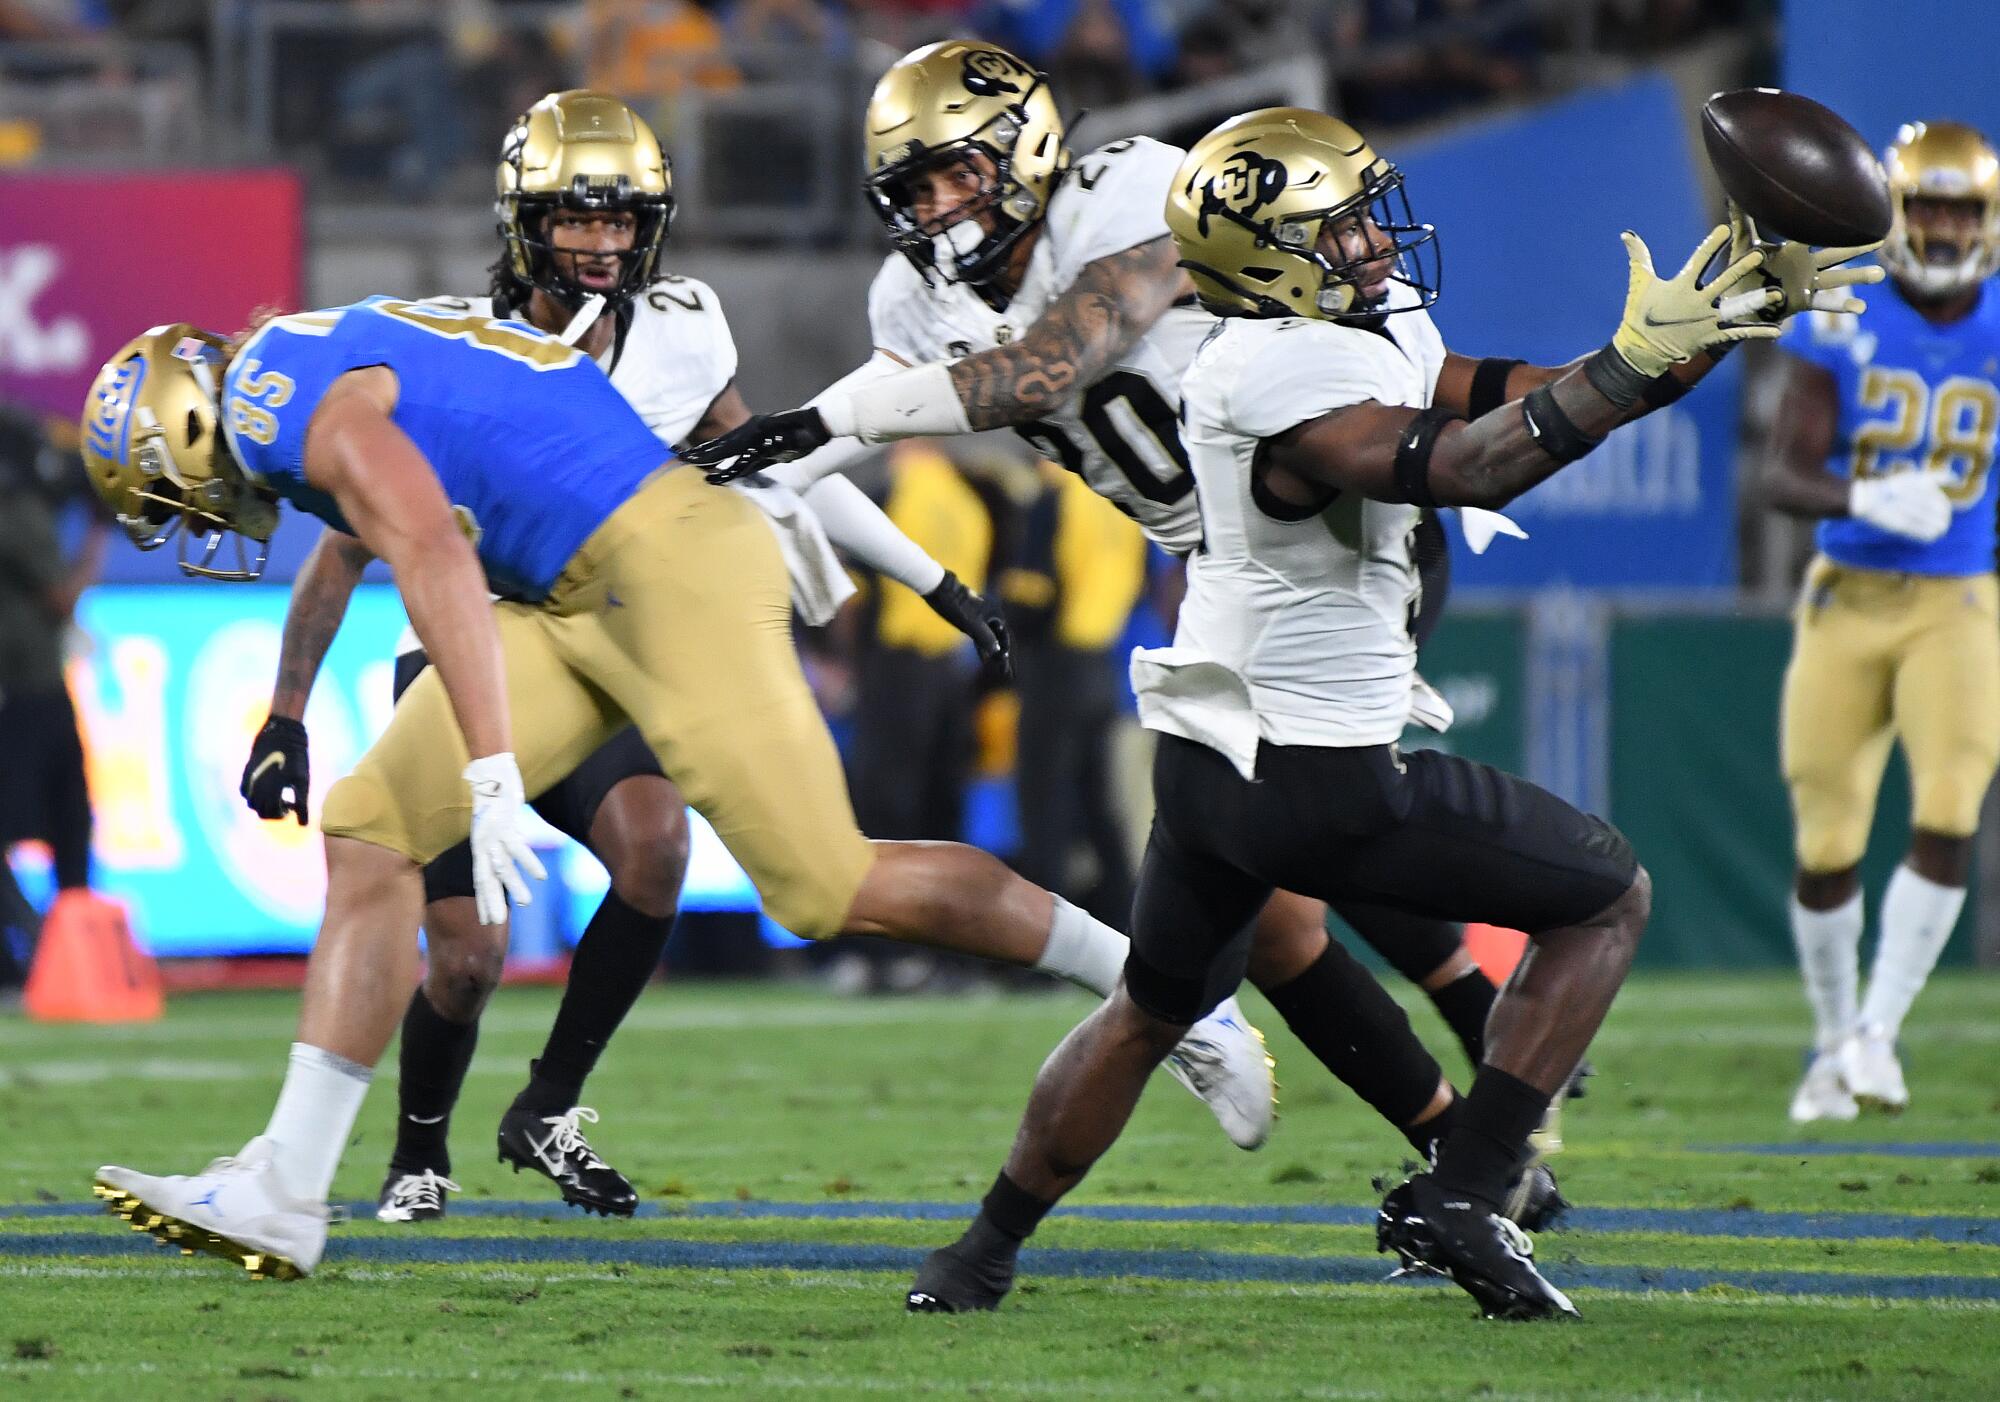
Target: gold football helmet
x,y
1248,205
154,451
581,150
946,102
1941,161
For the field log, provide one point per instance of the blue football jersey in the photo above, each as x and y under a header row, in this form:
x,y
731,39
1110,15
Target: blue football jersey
x,y
529,440
1913,397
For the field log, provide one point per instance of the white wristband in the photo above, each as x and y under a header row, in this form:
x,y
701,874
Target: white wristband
x,y
917,403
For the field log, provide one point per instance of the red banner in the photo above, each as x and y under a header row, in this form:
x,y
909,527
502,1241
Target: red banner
x,y
88,260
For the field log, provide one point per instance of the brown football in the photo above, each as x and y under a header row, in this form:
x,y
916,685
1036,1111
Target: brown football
x,y
1796,168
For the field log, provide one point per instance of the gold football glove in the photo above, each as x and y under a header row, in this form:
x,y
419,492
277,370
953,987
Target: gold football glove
x,y
1809,279
1668,320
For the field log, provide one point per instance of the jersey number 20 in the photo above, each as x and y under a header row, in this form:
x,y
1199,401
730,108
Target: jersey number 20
x,y
1155,418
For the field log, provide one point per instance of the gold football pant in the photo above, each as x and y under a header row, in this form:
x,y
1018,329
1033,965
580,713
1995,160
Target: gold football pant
x,y
676,614
1877,657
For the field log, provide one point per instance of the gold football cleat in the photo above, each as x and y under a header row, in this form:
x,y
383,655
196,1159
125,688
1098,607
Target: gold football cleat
x,y
170,1231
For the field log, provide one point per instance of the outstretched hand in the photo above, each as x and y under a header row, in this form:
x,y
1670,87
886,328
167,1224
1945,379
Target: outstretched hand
x,y
763,441
1669,320
1807,278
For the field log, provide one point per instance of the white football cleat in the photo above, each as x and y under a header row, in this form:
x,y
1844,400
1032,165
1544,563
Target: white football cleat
x,y
1873,1074
235,1208
1823,1095
1223,1061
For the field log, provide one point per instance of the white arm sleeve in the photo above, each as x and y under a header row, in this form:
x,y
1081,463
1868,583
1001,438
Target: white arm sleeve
x,y
861,528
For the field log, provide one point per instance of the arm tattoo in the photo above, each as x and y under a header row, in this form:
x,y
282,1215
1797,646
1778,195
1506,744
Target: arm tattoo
x,y
1102,315
312,622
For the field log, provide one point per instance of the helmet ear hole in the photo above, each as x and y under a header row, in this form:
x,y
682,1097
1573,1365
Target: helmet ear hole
x,y
194,428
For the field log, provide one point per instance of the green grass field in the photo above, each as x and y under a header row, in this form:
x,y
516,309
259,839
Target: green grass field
x,y
798,1153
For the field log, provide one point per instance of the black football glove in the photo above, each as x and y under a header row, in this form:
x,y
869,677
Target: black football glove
x,y
764,441
980,620
277,763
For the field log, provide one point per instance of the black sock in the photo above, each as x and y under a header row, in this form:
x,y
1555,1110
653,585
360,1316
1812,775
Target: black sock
x,y
1465,1003
619,951
431,1063
1355,1028
1489,1137
1008,1216
1424,1137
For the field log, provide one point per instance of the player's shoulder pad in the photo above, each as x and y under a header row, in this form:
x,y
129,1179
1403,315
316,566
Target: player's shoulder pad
x,y
897,299
1290,370
683,313
674,295
1113,199
463,306
678,322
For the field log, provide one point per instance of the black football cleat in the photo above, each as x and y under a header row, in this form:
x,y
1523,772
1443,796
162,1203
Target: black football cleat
x,y
414,1197
952,1280
1534,1202
554,1146
1437,1233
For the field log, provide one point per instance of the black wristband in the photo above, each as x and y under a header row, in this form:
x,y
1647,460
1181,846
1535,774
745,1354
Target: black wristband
x,y
1612,376
1413,455
1489,385
1662,390
1552,429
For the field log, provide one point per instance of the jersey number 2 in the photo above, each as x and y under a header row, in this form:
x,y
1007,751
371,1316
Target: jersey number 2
x,y
1155,418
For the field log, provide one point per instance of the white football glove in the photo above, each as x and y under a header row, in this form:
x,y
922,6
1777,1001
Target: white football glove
x,y
1911,504
500,851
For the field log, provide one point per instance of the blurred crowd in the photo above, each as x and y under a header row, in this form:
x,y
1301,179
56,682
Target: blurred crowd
x,y
50,553
408,91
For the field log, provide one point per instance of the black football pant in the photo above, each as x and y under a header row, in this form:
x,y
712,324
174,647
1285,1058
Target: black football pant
x,y
1428,833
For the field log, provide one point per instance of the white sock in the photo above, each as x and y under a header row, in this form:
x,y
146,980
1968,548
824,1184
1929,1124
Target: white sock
x,y
315,1112
1829,945
1917,920
1087,952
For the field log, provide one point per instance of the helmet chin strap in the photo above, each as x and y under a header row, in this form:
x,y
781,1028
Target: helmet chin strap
x,y
585,318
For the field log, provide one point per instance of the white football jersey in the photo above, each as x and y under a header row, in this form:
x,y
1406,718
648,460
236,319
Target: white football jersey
x,y
1295,628
1119,434
675,357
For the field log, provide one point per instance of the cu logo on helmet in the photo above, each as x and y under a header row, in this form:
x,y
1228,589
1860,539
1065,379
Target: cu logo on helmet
x,y
1245,184
989,73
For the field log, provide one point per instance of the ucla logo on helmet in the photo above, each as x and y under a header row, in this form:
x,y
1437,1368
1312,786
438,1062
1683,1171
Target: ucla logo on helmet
x,y
111,412
1246,183
989,73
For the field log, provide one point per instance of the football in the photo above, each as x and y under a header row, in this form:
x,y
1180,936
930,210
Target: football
x,y
1796,168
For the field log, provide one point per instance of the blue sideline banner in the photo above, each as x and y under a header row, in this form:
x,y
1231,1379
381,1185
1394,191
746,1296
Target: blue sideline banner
x,y
173,688
1529,209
